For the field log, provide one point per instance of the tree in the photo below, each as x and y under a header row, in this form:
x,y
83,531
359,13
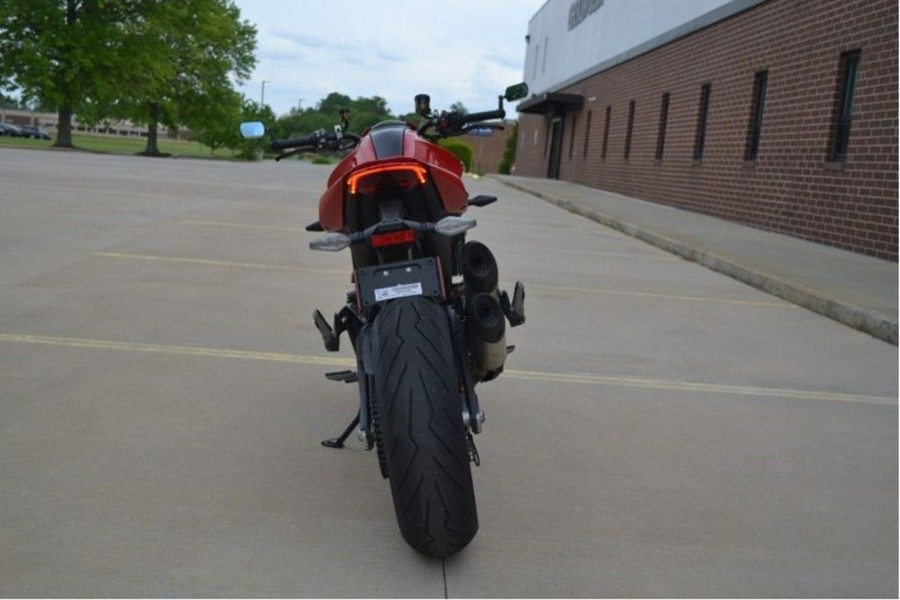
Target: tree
x,y
221,130
9,102
375,105
64,53
364,112
333,103
509,153
225,133
459,107
182,58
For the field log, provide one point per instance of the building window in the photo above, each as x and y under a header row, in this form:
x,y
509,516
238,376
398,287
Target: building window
x,y
629,130
572,138
663,118
850,69
760,81
587,134
606,132
702,118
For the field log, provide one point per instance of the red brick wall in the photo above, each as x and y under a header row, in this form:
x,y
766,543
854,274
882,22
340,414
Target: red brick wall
x,y
487,152
793,187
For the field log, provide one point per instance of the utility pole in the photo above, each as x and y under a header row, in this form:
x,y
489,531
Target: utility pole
x,y
262,93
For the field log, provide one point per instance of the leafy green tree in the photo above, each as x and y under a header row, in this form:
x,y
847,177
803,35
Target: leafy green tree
x,y
509,153
333,103
303,122
9,102
251,111
461,150
411,117
459,107
364,112
376,105
221,127
181,58
64,53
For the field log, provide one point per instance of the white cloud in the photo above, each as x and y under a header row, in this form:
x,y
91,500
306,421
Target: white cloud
x,y
465,50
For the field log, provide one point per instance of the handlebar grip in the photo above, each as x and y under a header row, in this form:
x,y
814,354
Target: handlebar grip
x,y
484,116
306,140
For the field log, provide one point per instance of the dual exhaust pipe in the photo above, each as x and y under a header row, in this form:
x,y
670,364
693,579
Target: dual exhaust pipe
x,y
485,319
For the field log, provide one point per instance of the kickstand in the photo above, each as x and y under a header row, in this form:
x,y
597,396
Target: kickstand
x,y
338,442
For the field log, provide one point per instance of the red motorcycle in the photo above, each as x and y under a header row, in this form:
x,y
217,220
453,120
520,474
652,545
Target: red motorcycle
x,y
426,318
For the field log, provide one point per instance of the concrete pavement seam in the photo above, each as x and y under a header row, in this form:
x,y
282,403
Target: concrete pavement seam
x,y
856,317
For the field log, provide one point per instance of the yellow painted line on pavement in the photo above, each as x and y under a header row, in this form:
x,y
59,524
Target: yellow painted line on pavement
x,y
178,350
713,388
585,290
580,253
217,263
233,225
549,377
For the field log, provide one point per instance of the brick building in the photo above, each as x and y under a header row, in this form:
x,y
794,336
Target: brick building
x,y
779,114
487,150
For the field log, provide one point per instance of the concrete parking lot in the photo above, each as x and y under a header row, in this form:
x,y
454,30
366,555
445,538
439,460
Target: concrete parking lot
x,y
661,430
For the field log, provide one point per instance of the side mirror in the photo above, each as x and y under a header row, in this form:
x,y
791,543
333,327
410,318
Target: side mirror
x,y
516,92
252,130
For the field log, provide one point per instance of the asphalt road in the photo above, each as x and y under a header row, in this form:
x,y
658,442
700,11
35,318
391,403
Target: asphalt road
x,y
661,430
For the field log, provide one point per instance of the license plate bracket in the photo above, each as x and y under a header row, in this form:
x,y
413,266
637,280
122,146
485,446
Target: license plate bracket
x,y
382,283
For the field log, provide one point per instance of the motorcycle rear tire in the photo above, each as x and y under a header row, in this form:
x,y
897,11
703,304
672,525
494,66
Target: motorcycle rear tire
x,y
420,413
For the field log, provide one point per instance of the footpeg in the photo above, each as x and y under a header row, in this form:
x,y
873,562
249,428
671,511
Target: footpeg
x,y
345,376
515,310
332,343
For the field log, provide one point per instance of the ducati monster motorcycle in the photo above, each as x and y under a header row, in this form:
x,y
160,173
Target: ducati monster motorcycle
x,y
426,318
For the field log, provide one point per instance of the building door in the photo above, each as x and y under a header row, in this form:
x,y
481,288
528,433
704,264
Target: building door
x,y
556,139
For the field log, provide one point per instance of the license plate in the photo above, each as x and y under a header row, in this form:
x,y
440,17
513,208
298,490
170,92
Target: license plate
x,y
401,290
382,283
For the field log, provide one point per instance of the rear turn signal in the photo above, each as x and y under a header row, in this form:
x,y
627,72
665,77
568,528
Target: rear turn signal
x,y
331,242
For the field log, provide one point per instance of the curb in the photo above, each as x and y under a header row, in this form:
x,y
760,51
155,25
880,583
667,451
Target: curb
x,y
861,319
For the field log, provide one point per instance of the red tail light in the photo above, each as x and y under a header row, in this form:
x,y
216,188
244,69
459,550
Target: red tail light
x,y
405,173
393,238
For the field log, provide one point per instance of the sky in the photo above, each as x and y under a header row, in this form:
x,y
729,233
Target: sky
x,y
465,51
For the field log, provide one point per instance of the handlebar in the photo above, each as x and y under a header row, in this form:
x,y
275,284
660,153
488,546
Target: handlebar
x,y
291,143
446,124
484,116
454,123
317,140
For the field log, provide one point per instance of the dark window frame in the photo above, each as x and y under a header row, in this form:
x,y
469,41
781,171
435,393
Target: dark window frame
x,y
702,120
663,121
849,74
572,138
587,133
606,132
757,108
629,130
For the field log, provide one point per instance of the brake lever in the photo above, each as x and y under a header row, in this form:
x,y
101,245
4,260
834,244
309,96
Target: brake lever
x,y
290,153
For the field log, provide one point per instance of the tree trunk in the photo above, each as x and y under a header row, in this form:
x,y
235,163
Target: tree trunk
x,y
152,148
64,129
64,116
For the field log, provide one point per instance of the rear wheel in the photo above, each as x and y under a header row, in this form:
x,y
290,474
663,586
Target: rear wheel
x,y
420,417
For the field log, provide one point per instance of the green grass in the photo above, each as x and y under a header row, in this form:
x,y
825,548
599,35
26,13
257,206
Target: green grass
x,y
111,144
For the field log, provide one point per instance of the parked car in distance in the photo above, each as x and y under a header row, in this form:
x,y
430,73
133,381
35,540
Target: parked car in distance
x,y
10,130
34,132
